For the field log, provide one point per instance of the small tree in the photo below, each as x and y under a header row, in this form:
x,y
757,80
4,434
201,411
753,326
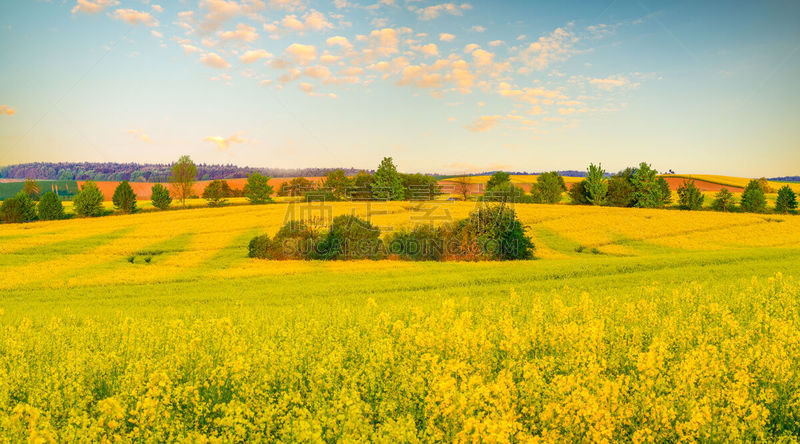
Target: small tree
x,y
786,201
89,201
159,196
184,174
689,196
28,205
499,178
124,199
753,199
31,188
549,187
216,192
337,183
462,186
723,201
386,184
666,192
295,187
257,190
50,207
12,211
648,193
596,184
578,193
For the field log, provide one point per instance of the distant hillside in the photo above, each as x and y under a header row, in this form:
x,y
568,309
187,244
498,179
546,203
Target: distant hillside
x,y
136,172
786,179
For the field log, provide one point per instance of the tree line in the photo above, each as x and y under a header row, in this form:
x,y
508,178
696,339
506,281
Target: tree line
x,y
136,172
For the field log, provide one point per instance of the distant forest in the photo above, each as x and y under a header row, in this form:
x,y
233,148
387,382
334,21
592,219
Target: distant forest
x,y
136,172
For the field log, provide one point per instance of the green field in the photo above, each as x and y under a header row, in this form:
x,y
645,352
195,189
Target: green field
x,y
663,326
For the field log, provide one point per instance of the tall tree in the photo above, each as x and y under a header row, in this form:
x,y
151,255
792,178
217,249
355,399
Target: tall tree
x,y
386,183
689,196
753,199
124,198
89,201
184,175
666,192
786,201
31,188
578,193
648,192
257,190
596,184
159,196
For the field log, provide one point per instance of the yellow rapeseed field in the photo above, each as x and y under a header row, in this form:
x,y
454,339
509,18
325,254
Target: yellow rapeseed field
x,y
631,325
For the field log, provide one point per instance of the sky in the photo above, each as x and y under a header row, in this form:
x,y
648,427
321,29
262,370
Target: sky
x,y
468,86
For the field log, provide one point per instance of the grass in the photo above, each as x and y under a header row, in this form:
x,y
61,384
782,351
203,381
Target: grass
x,y
666,325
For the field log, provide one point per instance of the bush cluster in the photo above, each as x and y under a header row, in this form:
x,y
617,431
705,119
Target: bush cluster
x,y
490,233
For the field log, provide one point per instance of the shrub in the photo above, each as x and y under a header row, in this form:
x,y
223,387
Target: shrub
x,y
689,196
12,211
257,190
349,237
89,201
422,243
50,207
216,192
753,199
260,247
621,190
596,184
159,195
294,240
506,192
578,193
763,183
723,201
548,188
490,232
27,205
124,199
786,201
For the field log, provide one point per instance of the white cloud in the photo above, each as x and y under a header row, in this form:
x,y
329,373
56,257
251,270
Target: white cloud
x,y
243,33
478,28
432,12
484,123
93,6
224,143
445,37
7,110
213,60
339,41
140,134
429,50
254,55
134,17
610,83
557,46
302,54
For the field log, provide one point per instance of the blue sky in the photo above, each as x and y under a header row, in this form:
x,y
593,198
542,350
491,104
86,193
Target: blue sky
x,y
704,87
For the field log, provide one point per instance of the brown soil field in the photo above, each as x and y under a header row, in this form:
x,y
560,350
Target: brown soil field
x,y
677,182
143,189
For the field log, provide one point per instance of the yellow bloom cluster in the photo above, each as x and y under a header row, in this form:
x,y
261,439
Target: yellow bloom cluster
x,y
677,364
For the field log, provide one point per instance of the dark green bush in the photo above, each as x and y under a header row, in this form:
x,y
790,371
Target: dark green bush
x,y
786,201
89,201
689,196
12,211
159,196
349,237
753,199
490,233
578,193
124,198
422,243
50,207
